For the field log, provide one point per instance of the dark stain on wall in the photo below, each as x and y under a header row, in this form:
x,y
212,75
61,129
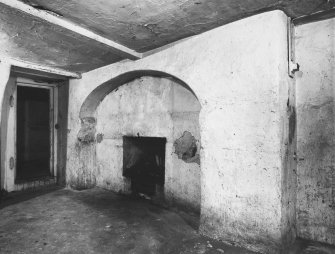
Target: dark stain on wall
x,y
186,148
292,121
100,137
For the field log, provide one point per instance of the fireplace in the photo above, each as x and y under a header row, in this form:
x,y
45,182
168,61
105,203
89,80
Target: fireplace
x,y
144,164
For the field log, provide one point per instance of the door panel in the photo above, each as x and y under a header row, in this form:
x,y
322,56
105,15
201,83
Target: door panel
x,y
33,133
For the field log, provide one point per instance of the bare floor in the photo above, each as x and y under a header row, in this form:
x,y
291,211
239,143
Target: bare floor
x,y
99,221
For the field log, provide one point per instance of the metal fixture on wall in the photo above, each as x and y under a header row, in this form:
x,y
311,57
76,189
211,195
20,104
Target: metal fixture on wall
x,y
293,67
11,163
11,101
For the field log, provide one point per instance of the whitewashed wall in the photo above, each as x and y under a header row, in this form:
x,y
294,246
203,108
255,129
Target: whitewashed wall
x,y
239,74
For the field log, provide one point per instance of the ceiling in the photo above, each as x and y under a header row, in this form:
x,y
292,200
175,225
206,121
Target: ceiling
x,y
141,25
33,40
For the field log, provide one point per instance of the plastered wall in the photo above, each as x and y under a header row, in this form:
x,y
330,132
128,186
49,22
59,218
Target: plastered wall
x,y
149,107
315,51
4,78
239,74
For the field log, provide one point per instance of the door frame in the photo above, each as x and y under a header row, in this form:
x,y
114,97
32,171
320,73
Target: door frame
x,y
11,151
53,112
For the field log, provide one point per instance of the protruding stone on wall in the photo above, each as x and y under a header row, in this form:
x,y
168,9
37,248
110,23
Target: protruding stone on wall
x,y
86,134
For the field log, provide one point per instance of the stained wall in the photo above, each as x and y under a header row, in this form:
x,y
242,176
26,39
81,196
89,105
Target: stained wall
x,y
315,52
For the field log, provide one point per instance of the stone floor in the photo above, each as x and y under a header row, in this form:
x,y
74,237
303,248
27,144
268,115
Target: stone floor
x,y
98,221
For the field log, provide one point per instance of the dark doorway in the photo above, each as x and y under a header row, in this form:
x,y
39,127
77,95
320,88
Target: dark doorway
x,y
33,133
144,163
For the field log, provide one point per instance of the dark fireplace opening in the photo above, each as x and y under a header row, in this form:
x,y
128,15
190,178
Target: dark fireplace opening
x,y
144,164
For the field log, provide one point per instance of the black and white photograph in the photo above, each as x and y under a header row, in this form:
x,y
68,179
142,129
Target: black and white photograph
x,y
167,126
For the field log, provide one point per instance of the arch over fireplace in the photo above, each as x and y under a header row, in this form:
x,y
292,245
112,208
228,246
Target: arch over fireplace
x,y
100,144
93,100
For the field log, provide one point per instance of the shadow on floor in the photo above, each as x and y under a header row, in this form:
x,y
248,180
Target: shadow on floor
x,y
99,221
15,197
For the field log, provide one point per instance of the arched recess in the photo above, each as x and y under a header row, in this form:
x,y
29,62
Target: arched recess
x,y
90,145
93,100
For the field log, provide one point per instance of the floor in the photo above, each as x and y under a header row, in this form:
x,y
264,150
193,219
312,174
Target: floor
x,y
99,221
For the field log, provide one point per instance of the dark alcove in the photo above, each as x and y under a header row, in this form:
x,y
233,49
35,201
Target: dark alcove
x,y
144,163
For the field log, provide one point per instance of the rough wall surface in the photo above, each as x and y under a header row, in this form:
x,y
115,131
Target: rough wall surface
x,y
315,51
149,107
236,71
